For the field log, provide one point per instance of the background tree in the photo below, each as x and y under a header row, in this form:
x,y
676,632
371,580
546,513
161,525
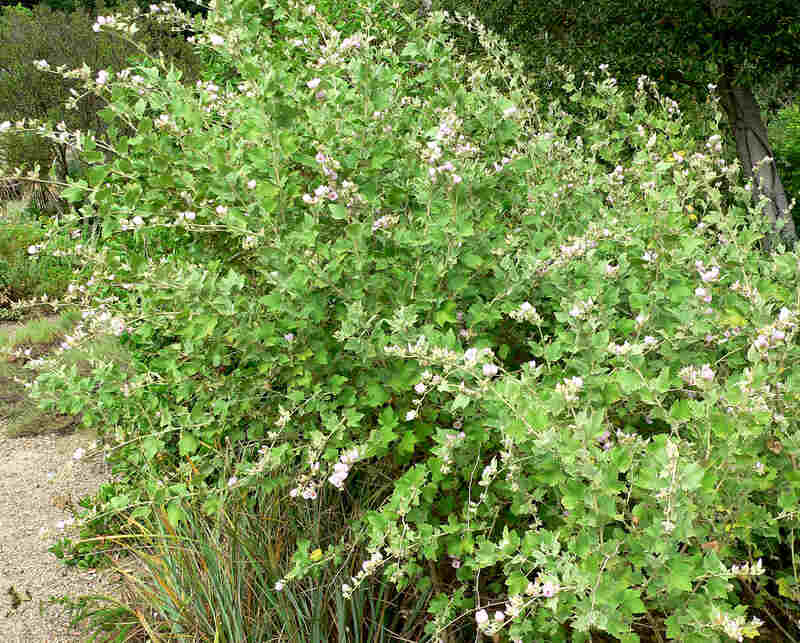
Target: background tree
x,y
686,45
61,38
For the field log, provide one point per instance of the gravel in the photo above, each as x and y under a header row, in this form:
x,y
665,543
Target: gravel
x,y
39,482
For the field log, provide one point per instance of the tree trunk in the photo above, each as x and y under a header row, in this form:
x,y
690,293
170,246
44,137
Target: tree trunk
x,y
756,158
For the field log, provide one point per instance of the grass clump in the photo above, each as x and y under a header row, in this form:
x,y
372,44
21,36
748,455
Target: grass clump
x,y
217,578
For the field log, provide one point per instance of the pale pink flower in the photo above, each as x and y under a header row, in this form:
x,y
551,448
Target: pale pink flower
x,y
549,589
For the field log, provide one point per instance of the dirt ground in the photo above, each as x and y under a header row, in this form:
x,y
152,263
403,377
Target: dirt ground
x,y
40,481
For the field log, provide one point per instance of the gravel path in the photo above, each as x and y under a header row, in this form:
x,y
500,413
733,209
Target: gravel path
x,y
38,482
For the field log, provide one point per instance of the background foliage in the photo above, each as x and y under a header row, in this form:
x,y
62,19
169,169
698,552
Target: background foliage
x,y
65,39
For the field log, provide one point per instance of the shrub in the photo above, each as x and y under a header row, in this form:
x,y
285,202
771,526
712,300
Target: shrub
x,y
24,278
548,348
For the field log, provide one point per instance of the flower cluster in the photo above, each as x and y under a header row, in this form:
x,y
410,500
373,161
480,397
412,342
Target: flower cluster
x,y
368,566
735,626
384,222
569,388
694,376
526,312
448,442
580,309
342,468
777,332
707,275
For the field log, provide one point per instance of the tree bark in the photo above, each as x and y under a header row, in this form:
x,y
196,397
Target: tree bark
x,y
757,160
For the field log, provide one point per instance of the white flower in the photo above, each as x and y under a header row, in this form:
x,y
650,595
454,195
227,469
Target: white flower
x,y
279,586
420,388
251,184
232,481
313,83
704,294
216,40
117,326
5,126
509,111
481,617
221,209
79,453
137,220
32,250
456,178
102,77
411,415
471,355
499,616
489,370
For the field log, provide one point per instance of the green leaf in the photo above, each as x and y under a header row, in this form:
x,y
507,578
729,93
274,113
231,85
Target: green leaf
x,y
632,603
410,50
188,444
446,314
472,261
175,513
338,211
679,576
151,446
629,381
407,443
75,192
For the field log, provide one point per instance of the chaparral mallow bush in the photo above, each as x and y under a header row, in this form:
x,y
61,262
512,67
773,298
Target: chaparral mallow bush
x,y
372,260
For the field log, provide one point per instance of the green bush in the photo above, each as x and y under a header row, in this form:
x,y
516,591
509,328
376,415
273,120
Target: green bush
x,y
24,277
548,352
